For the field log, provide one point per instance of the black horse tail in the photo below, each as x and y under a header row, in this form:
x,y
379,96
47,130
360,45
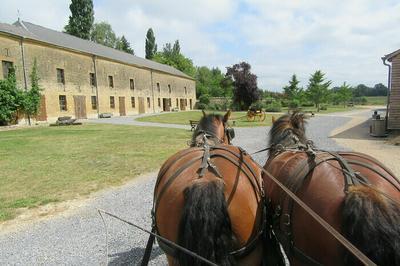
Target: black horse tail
x,y
371,222
205,226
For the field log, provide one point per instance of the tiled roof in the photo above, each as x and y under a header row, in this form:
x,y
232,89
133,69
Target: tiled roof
x,y
39,33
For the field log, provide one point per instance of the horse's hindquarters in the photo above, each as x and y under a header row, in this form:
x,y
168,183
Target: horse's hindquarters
x,y
179,183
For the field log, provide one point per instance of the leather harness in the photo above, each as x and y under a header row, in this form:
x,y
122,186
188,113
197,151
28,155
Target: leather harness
x,y
210,149
281,215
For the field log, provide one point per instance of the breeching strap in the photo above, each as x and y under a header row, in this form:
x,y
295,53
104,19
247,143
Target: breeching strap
x,y
349,246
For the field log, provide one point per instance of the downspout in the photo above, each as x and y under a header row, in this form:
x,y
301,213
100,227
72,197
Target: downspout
x,y
152,88
23,62
389,89
95,83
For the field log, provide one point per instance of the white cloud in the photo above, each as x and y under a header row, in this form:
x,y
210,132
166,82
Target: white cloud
x,y
345,39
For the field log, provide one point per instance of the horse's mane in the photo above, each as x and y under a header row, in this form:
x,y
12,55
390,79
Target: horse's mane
x,y
294,122
206,124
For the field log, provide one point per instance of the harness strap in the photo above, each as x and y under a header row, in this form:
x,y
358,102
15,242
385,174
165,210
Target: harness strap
x,y
149,247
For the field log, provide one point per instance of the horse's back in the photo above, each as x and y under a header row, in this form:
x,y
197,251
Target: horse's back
x,y
242,182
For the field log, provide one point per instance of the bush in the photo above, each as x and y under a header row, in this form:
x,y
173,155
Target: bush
x,y
200,106
273,107
307,104
257,105
294,104
205,98
323,107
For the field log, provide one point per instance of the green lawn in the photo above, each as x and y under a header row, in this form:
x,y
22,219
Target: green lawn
x,y
182,118
50,164
330,109
376,100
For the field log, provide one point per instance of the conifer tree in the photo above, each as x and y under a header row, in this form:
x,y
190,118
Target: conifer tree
x,y
317,90
151,46
124,45
81,20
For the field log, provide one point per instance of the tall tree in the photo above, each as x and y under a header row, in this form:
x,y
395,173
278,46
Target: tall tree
x,y
81,20
103,33
31,99
245,90
124,45
174,58
293,92
317,90
344,93
151,46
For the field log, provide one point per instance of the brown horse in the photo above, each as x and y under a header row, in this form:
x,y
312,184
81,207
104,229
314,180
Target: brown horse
x,y
353,192
209,199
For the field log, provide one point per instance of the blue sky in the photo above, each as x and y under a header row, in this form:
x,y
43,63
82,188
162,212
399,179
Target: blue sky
x,y
344,39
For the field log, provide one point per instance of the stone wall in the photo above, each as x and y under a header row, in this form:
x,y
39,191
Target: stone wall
x,y
77,67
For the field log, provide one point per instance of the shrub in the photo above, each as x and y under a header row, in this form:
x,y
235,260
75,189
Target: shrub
x,y
273,107
257,105
205,98
323,107
200,106
294,104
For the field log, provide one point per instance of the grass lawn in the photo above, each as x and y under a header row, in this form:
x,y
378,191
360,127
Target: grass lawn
x,y
376,100
183,118
50,164
330,109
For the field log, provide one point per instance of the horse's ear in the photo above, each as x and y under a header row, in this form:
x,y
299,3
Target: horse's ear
x,y
297,120
227,115
204,113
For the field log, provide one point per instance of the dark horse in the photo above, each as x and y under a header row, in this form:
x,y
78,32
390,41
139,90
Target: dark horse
x,y
209,199
353,192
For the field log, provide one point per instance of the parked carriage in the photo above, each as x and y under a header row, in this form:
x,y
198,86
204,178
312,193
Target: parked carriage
x,y
255,114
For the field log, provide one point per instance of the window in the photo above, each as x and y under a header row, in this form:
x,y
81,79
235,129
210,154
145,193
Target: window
x,y
169,88
62,99
6,68
94,102
110,82
169,102
177,103
92,79
60,76
112,102
133,102
158,87
159,102
132,84
185,90
190,102
148,102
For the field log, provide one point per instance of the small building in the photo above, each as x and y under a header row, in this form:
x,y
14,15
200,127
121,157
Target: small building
x,y
84,79
392,60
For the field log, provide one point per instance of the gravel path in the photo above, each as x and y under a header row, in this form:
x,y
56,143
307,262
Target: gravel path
x,y
78,237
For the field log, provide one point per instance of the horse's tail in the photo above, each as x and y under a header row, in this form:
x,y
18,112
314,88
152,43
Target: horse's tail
x,y
371,223
205,226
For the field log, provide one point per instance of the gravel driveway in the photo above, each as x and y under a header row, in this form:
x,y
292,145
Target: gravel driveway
x,y
78,237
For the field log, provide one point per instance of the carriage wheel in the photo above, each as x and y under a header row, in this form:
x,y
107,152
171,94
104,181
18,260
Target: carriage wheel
x,y
262,116
250,117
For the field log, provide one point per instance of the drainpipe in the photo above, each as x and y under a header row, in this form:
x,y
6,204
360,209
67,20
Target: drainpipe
x,y
152,89
389,89
21,43
95,83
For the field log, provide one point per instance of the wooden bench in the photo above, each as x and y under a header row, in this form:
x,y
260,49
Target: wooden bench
x,y
193,124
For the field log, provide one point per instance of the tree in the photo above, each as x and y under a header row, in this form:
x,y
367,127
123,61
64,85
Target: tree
x,y
103,33
31,99
212,82
124,45
10,98
245,90
344,93
293,93
317,90
171,56
151,46
81,20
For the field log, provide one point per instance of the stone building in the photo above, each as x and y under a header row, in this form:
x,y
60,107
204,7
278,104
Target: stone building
x,y
84,79
393,104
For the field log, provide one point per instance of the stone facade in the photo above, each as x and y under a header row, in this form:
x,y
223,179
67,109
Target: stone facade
x,y
394,98
88,82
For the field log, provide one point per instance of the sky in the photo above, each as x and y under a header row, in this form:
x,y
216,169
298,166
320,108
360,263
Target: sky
x,y
345,39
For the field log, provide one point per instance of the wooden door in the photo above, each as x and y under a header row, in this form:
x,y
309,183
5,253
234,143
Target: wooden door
x,y
42,114
182,103
80,106
141,105
122,111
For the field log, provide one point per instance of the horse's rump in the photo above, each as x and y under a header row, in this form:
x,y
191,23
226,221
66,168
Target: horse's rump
x,y
241,182
321,183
